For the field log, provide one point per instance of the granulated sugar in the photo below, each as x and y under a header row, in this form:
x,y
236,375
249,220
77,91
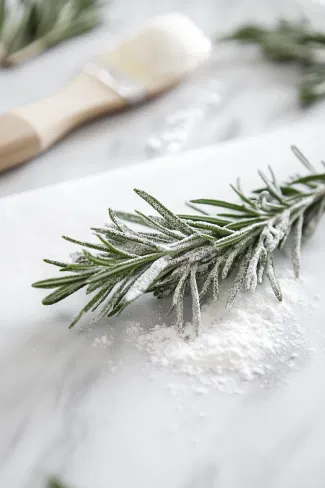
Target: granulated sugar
x,y
250,341
104,341
259,338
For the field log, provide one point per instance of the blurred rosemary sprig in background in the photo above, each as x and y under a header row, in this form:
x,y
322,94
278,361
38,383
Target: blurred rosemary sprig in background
x,y
29,27
294,43
55,483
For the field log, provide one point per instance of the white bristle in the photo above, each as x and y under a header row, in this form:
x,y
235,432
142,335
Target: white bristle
x,y
165,49
172,44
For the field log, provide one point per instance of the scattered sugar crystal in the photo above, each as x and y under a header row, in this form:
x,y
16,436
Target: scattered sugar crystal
x,y
103,341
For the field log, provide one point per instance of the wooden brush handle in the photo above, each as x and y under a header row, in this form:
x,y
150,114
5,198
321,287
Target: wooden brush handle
x,y
18,141
27,131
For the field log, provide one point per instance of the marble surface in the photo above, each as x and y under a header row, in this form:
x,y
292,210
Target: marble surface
x,y
253,95
104,417
63,410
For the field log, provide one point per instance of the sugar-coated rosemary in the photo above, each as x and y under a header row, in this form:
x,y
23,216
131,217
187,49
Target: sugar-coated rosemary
x,y
183,254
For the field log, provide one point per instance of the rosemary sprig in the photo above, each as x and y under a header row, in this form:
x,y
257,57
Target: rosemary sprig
x,y
190,253
29,27
55,483
291,42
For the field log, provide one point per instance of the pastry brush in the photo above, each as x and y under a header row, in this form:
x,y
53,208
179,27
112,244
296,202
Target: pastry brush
x,y
140,67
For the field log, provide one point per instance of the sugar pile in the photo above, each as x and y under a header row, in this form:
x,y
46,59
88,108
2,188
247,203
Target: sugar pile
x,y
250,341
259,338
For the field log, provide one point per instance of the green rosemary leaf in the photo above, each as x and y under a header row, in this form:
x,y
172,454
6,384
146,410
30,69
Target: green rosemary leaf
x,y
243,197
75,267
59,264
131,217
178,299
85,244
271,188
127,265
261,265
61,293
66,280
311,219
165,291
196,310
169,216
251,278
216,229
239,280
114,306
179,290
270,273
203,218
232,239
143,283
111,307
150,222
212,276
91,287
96,299
188,243
231,255
106,290
220,203
101,261
159,238
289,191
131,237
233,216
244,223
118,304
297,234
119,223
303,159
317,178
196,208
115,249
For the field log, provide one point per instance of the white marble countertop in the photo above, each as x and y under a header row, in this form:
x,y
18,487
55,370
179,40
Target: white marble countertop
x,y
254,95
56,407
106,416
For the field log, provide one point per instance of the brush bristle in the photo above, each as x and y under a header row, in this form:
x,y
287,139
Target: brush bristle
x,y
162,52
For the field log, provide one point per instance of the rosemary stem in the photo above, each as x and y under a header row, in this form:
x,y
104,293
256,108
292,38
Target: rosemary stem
x,y
3,54
32,50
